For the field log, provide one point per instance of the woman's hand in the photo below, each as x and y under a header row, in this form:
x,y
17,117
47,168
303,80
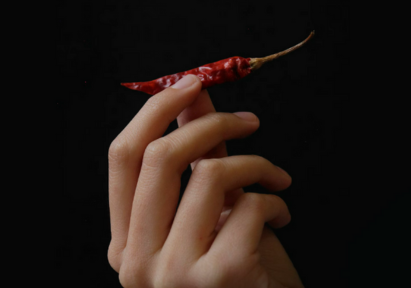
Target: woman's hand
x,y
198,246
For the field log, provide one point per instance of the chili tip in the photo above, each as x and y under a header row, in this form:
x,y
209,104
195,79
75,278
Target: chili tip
x,y
256,63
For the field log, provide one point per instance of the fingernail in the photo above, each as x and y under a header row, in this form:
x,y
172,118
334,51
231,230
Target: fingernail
x,y
185,82
248,116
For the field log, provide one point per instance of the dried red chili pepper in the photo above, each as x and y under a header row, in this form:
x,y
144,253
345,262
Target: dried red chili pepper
x,y
227,70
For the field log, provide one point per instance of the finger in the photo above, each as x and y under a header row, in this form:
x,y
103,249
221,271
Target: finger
x,y
126,153
200,107
199,210
164,161
241,234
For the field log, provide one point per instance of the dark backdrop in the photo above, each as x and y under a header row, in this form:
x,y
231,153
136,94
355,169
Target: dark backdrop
x,y
349,208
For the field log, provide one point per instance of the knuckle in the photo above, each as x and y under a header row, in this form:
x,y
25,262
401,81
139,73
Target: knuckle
x,y
157,104
253,201
119,150
114,258
209,168
217,275
166,280
131,276
168,276
156,152
153,104
219,118
126,277
156,148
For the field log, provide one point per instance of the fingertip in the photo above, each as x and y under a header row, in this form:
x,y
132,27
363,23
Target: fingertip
x,y
185,82
281,220
195,76
247,116
288,219
196,85
282,170
196,80
289,179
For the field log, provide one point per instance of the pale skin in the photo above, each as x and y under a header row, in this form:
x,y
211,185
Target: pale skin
x,y
218,236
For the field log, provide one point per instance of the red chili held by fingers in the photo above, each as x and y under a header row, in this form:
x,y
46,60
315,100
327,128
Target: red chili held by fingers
x,y
227,70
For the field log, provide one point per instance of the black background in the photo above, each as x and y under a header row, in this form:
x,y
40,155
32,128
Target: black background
x,y
348,162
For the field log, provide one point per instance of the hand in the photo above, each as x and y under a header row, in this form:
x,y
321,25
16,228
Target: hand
x,y
217,237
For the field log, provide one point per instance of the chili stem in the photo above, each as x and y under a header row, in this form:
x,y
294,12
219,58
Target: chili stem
x,y
256,63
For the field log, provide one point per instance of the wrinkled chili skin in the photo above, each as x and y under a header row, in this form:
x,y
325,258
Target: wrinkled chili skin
x,y
226,70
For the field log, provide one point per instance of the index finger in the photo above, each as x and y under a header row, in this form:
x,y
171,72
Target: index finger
x,y
200,107
127,150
